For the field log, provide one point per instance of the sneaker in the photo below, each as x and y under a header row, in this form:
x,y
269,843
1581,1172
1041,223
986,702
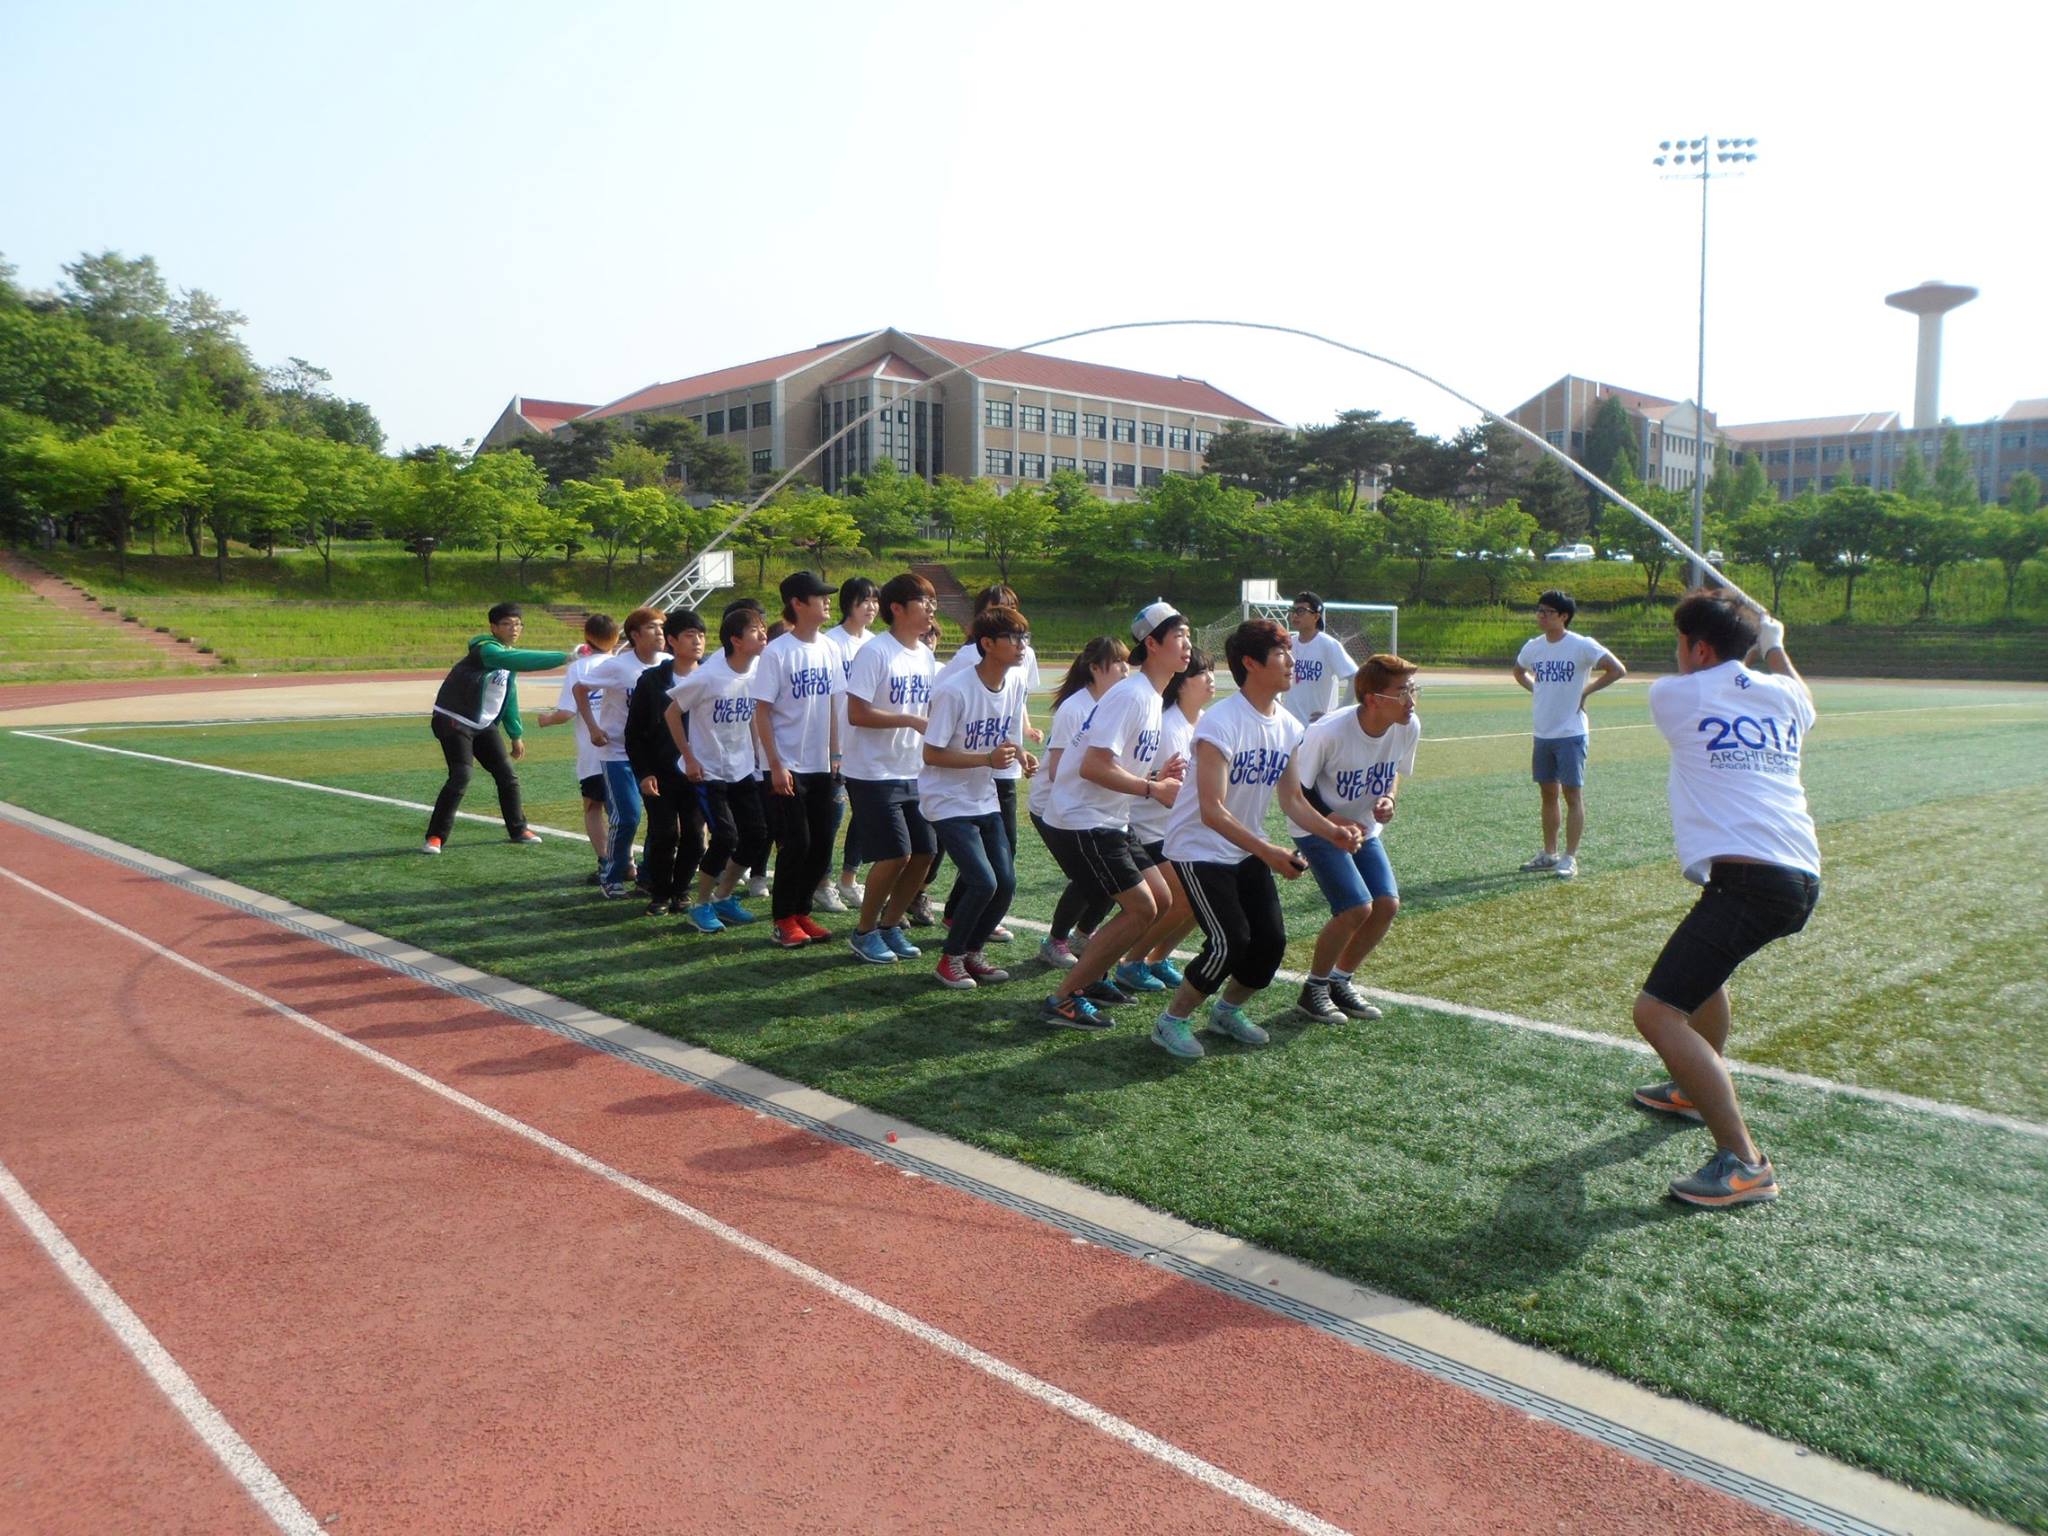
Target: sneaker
x,y
953,972
813,930
984,973
658,907
789,934
1073,1013
1175,1038
1135,976
1001,935
1229,1020
826,899
1106,991
1347,997
1316,1002
704,918
1168,973
1053,952
611,890
1727,1180
920,913
1541,861
1566,867
730,912
893,937
526,838
431,845
1666,1099
757,887
853,892
871,948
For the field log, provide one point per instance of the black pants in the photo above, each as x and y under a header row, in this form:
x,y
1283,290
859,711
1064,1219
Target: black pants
x,y
1243,933
802,823
1006,806
464,747
1079,906
736,824
675,835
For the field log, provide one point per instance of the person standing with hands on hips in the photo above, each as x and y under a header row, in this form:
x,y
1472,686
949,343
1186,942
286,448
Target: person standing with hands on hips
x,y
1562,670
1320,662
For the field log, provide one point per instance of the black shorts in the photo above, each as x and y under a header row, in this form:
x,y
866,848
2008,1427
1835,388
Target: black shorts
x,y
1743,908
1156,852
890,825
592,788
1105,860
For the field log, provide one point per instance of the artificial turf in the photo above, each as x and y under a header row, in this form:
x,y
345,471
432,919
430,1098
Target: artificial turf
x,y
1888,1310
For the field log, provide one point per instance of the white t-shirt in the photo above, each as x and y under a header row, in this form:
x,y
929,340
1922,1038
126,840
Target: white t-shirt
x,y
1176,731
1126,721
1735,740
895,677
718,713
967,716
848,645
1559,671
1349,769
969,655
587,760
1320,664
1258,748
615,675
796,681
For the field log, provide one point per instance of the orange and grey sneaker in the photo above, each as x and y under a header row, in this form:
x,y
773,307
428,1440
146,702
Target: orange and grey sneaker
x,y
1727,1180
811,930
431,845
1665,1099
789,934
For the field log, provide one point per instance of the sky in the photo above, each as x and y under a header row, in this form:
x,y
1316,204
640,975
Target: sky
x,y
448,204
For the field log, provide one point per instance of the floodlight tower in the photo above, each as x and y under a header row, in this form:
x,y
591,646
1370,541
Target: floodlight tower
x,y
1930,301
1726,154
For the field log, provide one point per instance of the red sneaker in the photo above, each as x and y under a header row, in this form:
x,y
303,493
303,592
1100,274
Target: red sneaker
x,y
984,973
789,934
812,930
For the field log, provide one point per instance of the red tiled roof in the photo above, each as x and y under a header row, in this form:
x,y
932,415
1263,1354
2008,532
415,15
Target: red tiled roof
x,y
2028,410
1815,426
723,380
552,412
1062,374
887,366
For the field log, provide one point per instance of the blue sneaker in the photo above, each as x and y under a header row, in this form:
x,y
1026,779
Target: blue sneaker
x,y
901,947
1168,973
872,947
730,912
1174,1037
1136,976
1228,1020
704,918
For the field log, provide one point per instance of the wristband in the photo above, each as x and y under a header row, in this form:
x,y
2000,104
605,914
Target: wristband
x,y
1148,789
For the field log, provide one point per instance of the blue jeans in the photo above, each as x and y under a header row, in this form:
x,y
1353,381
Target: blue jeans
x,y
622,805
988,877
1349,879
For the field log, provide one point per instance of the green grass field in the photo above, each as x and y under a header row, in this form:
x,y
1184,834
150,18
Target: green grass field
x,y
1889,1310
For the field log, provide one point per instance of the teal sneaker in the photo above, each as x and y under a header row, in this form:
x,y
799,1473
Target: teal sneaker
x,y
1229,1020
872,947
1174,1037
730,912
704,918
1136,976
900,946
1168,973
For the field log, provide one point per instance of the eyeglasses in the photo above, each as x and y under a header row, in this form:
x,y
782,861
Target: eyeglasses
x,y
1410,693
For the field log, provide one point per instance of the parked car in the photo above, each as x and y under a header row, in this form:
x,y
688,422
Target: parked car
x,y
1716,558
1621,557
1572,553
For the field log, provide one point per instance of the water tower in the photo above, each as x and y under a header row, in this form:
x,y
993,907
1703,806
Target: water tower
x,y
1930,301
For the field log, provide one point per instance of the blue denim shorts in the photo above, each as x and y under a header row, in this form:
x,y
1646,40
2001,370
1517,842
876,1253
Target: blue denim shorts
x,y
1559,760
1349,880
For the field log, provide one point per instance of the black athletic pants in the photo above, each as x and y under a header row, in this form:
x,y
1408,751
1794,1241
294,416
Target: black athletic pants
x,y
802,823
1244,935
675,834
737,825
463,748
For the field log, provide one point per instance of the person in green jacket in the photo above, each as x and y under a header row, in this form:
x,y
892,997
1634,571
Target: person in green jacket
x,y
478,694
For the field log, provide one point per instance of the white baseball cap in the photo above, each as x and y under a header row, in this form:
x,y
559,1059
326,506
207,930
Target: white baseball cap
x,y
1150,617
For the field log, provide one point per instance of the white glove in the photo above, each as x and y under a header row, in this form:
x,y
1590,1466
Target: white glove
x,y
1770,635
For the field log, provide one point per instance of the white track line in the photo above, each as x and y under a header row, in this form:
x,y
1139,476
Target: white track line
x,y
1833,714
1905,1101
233,1452
1044,1392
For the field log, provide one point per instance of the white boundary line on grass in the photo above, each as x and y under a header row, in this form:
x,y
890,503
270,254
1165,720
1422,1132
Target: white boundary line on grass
x,y
1836,714
207,1422
1044,1392
1904,1101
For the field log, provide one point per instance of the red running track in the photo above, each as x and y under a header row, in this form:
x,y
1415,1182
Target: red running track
x,y
422,1321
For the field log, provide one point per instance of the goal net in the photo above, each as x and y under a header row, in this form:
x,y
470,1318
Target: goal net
x,y
1361,628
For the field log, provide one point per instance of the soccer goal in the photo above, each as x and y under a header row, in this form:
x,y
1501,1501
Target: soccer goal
x,y
1361,628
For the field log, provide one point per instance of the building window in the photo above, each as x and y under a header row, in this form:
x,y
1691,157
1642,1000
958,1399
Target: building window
x,y
1555,439
764,413
1124,474
1781,455
998,461
714,423
999,413
1859,450
1154,434
1031,418
1094,426
1804,455
1031,466
1059,463
2013,440
1097,471
763,461
697,422
1203,440
1831,454
1154,475
1578,442
1063,423
1799,483
1126,430
1179,437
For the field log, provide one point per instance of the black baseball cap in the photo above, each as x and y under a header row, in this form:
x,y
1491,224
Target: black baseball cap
x,y
800,585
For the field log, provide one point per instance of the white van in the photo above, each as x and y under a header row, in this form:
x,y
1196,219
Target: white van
x,y
1573,553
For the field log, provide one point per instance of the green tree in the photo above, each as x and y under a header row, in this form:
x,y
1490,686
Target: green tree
x,y
887,504
614,515
1097,540
533,528
254,493
1927,539
1011,527
1500,536
717,466
1612,433
1496,453
300,401
53,366
1621,529
502,488
1422,530
1911,480
345,486
1338,458
1260,460
126,304
1851,529
214,364
111,480
1773,534
1734,490
1555,497
1955,477
820,525
2012,537
433,508
671,437
1432,468
634,465
2023,493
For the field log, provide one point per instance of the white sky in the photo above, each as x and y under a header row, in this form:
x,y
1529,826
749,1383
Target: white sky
x,y
448,204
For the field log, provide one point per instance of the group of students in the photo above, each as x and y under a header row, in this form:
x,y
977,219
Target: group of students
x,y
1151,800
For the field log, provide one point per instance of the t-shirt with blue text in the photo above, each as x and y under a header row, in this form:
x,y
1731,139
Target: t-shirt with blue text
x,y
1257,749
1320,664
796,680
1125,720
1736,738
1559,670
969,655
897,678
718,711
968,716
1176,732
1349,769
611,690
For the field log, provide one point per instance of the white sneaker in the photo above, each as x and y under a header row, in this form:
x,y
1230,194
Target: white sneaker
x,y
1541,861
853,892
1566,867
826,899
757,888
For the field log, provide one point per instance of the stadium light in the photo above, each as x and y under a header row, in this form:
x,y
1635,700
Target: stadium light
x,y
1725,157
